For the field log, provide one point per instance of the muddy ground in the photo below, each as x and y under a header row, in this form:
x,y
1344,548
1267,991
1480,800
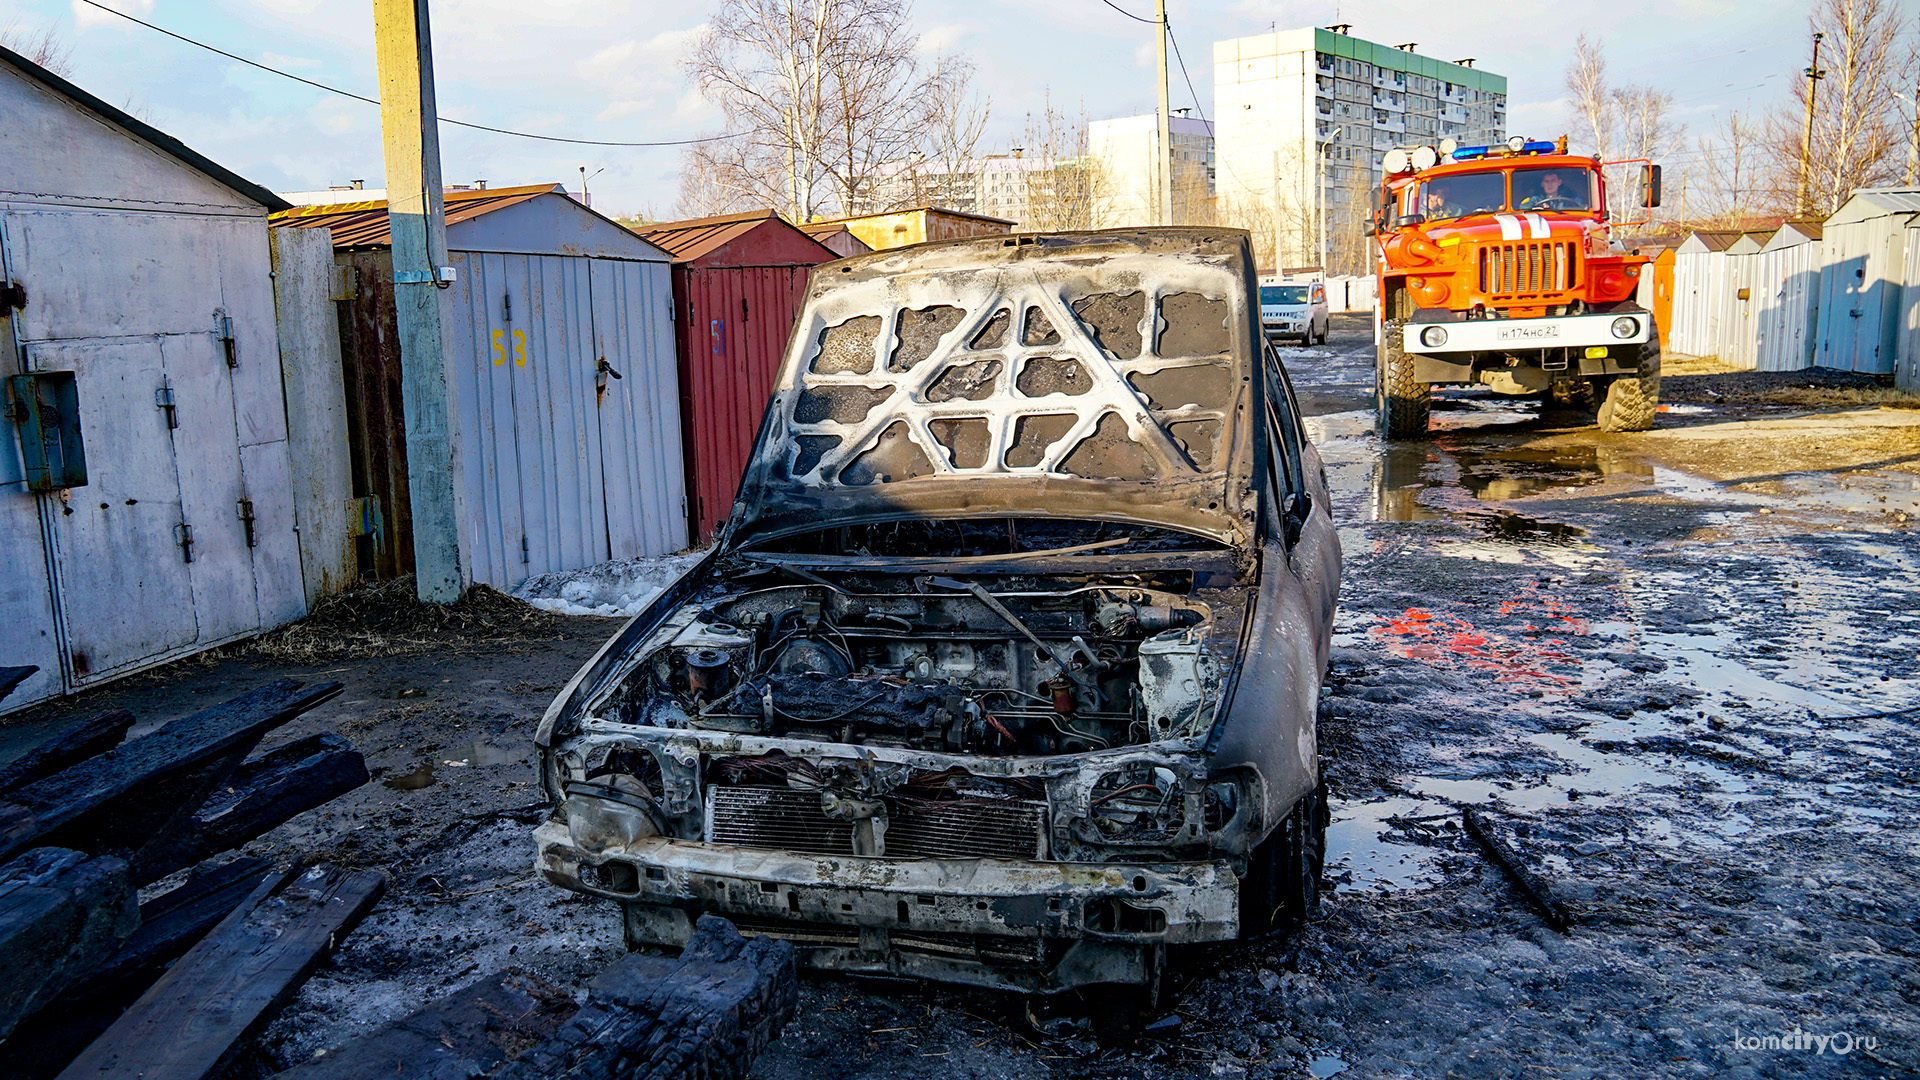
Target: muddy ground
x,y
1652,661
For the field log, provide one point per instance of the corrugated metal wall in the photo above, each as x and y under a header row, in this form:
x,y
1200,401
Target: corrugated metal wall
x,y
1697,278
1787,288
1738,301
645,474
734,324
1860,287
561,474
1906,374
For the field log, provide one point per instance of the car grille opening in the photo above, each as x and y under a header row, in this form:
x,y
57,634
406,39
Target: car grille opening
x,y
787,819
1008,952
1518,271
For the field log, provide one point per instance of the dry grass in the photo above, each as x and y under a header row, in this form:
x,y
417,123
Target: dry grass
x,y
1822,397
1677,364
385,619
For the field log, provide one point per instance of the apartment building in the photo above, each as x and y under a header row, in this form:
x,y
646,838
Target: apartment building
x,y
1283,98
1125,148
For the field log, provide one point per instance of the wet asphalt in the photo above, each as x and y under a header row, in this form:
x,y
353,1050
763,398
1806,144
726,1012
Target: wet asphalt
x,y
1659,692
1656,691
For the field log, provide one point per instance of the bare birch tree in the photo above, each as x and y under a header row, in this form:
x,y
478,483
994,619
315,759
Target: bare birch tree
x,y
1066,192
1728,184
1589,96
1859,136
44,47
953,113
830,95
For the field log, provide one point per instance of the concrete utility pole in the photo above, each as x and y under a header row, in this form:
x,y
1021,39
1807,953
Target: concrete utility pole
x,y
409,124
1164,159
1814,75
1320,192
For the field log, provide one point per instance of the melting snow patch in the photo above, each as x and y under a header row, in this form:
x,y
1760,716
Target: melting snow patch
x,y
617,589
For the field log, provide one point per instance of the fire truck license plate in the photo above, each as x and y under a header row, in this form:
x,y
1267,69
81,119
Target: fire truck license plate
x,y
1526,333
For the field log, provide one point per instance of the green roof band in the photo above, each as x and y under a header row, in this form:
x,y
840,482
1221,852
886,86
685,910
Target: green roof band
x,y
1386,56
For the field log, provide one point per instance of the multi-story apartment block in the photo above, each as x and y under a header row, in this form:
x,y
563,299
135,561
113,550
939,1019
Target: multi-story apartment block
x,y
1126,190
1282,98
1000,185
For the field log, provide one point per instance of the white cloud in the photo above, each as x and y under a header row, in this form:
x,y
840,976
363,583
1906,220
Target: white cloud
x,y
88,17
941,39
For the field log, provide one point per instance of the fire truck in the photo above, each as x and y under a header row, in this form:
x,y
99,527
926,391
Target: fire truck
x,y
1498,268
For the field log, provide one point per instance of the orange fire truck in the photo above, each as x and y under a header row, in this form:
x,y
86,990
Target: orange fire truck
x,y
1497,268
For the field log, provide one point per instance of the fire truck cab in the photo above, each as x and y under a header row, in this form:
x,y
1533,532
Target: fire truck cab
x,y
1497,268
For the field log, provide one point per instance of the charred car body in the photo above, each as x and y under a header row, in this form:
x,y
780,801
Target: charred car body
x,y
1004,669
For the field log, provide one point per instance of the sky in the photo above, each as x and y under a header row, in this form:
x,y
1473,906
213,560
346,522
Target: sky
x,y
609,70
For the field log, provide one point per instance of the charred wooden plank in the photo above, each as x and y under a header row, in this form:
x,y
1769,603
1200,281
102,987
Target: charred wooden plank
x,y
1531,886
94,736
169,925
288,781
473,1032
191,1022
707,1014
119,801
261,794
61,913
11,677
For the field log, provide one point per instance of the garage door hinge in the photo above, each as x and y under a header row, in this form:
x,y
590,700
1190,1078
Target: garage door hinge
x,y
12,295
163,400
223,329
246,521
183,535
525,553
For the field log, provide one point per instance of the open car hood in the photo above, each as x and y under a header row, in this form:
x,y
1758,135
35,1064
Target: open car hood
x,y
1100,375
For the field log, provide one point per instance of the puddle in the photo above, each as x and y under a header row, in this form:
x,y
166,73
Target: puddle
x,y
419,778
481,752
1403,473
1326,1065
477,752
1359,842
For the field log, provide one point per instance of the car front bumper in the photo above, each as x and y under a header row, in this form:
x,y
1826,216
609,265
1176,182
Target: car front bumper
x,y
1037,927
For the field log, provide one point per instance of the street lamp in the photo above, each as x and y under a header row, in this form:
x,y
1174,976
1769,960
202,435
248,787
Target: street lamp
x,y
1320,193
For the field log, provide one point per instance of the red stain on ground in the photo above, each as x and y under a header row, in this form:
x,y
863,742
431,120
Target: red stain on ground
x,y
1448,640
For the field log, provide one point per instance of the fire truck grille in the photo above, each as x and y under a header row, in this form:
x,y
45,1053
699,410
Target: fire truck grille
x,y
1523,271
790,820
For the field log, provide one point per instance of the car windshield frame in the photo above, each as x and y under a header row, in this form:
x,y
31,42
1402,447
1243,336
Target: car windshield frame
x,y
1301,294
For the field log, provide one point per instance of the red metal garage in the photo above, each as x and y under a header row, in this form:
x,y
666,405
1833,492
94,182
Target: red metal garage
x,y
737,284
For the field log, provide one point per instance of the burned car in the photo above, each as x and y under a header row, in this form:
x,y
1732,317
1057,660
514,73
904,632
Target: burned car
x,y
1003,670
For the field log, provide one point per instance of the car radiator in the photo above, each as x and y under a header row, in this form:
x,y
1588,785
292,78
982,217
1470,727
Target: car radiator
x,y
787,819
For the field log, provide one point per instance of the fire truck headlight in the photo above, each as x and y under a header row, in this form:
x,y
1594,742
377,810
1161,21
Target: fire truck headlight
x,y
1624,327
1433,336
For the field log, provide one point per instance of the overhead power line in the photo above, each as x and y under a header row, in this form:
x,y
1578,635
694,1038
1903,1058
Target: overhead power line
x,y
1129,14
376,101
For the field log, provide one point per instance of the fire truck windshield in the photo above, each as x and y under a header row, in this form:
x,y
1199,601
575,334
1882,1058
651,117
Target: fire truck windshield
x,y
1460,195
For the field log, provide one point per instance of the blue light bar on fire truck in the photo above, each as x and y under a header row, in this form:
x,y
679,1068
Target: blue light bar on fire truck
x,y
1470,153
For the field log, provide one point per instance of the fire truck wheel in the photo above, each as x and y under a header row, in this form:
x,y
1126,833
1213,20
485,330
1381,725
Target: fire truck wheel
x,y
1632,400
1401,401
